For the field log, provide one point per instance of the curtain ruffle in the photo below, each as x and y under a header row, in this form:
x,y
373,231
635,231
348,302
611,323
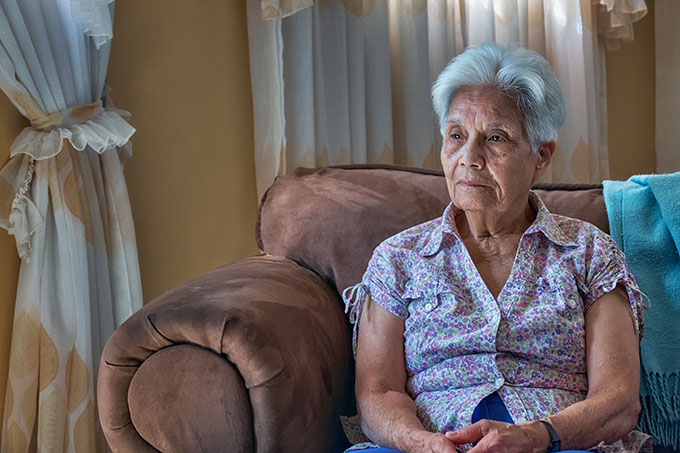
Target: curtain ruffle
x,y
615,19
90,125
23,217
95,17
105,130
277,9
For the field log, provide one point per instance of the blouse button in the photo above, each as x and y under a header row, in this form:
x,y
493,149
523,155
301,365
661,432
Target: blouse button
x,y
428,306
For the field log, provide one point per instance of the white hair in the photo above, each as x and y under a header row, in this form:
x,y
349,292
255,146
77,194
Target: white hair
x,y
522,74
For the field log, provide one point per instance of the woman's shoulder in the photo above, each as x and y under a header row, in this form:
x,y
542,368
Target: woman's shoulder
x,y
580,231
413,239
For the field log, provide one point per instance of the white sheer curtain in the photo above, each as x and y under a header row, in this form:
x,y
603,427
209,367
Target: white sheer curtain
x,y
349,81
63,196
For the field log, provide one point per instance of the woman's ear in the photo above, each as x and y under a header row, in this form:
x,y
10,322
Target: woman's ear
x,y
544,152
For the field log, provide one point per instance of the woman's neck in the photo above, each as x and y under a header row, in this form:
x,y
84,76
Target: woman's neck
x,y
493,224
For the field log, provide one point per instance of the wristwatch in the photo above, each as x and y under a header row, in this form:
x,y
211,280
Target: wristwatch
x,y
555,443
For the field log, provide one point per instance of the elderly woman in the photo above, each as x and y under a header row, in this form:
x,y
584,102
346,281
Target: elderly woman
x,y
499,327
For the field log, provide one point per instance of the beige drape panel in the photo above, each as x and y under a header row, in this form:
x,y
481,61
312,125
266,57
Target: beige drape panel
x,y
348,81
63,197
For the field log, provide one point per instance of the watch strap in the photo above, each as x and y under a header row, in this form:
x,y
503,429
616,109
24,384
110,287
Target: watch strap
x,y
555,442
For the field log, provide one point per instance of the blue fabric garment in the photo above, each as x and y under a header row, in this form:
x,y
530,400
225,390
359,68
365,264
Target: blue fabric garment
x,y
644,219
490,408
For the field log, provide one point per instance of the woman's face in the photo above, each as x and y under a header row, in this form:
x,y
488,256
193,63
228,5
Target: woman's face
x,y
486,153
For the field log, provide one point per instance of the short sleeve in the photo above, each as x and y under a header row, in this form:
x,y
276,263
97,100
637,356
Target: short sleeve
x,y
383,282
606,269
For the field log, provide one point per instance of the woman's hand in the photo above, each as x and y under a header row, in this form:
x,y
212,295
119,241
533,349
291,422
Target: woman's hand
x,y
500,437
436,443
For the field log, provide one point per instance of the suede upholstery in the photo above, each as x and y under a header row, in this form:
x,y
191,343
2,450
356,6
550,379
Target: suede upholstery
x,y
255,356
276,324
331,219
166,409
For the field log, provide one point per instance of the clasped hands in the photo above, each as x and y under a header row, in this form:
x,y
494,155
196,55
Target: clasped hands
x,y
491,437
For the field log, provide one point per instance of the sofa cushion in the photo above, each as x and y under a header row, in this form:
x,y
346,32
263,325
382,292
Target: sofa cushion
x,y
330,219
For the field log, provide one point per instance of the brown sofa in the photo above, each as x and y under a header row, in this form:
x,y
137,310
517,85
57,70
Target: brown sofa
x,y
255,356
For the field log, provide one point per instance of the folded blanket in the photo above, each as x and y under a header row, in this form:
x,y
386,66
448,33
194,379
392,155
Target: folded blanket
x,y
644,219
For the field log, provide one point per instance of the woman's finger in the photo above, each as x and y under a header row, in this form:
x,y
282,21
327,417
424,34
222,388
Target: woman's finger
x,y
443,445
470,433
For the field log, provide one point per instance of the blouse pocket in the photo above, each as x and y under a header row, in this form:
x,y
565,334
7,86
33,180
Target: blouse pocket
x,y
432,308
557,321
432,298
559,289
422,296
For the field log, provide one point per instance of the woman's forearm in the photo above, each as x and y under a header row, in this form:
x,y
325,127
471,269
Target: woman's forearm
x,y
389,419
611,409
607,416
603,417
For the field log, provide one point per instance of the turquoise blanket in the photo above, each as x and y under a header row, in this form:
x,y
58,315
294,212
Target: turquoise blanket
x,y
644,219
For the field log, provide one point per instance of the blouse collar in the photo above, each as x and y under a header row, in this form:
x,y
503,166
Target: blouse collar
x,y
545,222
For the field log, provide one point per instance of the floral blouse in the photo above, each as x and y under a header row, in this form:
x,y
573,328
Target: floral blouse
x,y
461,344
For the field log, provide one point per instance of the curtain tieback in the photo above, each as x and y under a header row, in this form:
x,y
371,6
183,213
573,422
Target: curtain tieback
x,y
96,125
69,117
91,125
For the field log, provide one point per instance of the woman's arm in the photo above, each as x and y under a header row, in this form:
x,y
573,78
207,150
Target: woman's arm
x,y
612,406
388,414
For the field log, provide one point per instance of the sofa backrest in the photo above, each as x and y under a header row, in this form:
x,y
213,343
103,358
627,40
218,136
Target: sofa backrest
x,y
330,219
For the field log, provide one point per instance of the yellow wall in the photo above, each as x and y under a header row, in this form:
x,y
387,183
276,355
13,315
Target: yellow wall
x,y
11,123
631,102
183,72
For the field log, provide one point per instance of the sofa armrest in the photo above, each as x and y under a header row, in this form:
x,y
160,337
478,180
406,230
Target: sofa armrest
x,y
278,324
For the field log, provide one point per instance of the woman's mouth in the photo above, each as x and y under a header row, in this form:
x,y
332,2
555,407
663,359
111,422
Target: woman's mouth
x,y
471,183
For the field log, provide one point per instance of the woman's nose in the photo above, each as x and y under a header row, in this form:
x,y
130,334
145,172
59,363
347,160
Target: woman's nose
x,y
472,154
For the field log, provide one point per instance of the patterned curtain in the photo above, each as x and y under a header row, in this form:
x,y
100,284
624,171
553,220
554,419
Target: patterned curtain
x,y
63,197
348,81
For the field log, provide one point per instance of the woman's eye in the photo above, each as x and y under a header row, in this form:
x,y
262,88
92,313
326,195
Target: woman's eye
x,y
456,136
496,138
